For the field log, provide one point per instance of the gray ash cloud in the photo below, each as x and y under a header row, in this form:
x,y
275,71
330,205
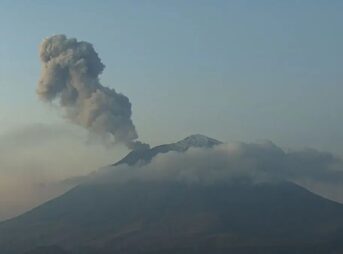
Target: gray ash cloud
x,y
70,75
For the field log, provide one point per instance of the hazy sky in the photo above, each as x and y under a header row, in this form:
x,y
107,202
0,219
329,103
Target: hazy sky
x,y
232,70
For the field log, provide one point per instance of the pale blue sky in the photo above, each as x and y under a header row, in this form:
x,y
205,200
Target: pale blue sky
x,y
234,70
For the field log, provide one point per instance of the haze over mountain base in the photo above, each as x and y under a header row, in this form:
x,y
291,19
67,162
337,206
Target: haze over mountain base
x,y
227,200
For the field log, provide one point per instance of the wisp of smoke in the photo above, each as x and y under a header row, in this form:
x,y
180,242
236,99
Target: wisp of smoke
x,y
70,74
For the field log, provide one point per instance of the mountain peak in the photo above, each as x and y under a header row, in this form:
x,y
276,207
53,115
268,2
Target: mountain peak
x,y
197,140
146,155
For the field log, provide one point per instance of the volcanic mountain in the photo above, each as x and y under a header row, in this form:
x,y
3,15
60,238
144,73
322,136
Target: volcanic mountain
x,y
176,217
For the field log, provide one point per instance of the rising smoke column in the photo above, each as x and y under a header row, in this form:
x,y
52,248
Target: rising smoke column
x,y
70,74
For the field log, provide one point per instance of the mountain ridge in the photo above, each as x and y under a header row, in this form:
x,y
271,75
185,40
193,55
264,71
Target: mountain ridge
x,y
145,155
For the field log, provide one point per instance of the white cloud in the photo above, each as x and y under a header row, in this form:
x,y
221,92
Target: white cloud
x,y
234,162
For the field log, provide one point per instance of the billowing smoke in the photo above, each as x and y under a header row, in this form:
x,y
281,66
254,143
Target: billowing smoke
x,y
70,74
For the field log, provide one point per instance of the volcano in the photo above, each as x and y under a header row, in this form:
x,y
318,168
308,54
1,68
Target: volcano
x,y
176,217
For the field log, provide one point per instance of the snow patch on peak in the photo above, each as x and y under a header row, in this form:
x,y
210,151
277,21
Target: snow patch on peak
x,y
197,140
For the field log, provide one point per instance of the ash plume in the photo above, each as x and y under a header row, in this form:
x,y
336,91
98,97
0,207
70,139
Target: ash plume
x,y
70,74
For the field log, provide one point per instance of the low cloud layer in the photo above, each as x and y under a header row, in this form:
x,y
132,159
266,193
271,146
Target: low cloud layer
x,y
70,74
36,159
40,162
255,163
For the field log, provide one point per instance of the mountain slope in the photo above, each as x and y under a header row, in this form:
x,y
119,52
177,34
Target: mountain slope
x,y
172,217
158,216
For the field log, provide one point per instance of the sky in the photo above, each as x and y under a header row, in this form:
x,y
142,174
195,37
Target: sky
x,y
233,70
